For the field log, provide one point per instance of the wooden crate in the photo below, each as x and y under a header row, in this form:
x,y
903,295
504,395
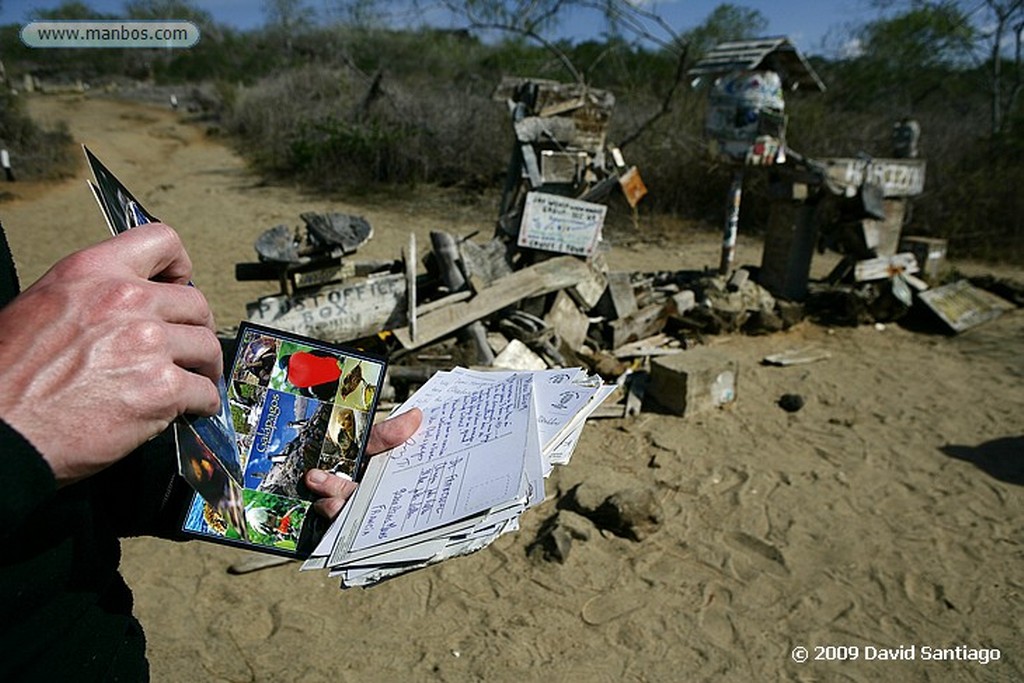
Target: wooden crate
x,y
694,381
930,253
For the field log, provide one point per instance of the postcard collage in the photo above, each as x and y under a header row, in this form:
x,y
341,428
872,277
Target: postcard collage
x,y
294,404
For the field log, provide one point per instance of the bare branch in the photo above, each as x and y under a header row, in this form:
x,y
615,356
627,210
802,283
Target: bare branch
x,y
666,102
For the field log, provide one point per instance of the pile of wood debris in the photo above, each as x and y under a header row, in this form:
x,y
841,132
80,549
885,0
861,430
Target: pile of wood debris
x,y
539,293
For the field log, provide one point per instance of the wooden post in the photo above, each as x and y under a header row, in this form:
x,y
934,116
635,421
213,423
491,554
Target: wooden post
x,y
732,221
410,284
447,253
5,161
788,248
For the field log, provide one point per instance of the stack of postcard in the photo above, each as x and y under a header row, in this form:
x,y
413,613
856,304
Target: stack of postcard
x,y
478,461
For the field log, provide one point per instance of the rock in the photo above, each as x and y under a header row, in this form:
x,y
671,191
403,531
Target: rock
x,y
763,322
695,381
791,402
585,498
634,514
790,312
631,513
555,537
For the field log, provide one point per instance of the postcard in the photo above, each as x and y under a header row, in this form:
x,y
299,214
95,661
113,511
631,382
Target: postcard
x,y
291,406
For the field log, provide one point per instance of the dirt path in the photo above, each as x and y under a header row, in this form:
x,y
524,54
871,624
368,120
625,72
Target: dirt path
x,y
196,184
885,513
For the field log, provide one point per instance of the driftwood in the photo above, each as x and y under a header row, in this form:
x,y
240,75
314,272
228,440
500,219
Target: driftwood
x,y
547,276
447,253
884,267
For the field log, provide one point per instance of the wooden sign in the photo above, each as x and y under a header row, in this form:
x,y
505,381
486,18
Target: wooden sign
x,y
633,186
561,224
885,266
339,312
897,177
961,305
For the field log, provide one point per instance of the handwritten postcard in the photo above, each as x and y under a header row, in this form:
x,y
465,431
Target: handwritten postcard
x,y
476,464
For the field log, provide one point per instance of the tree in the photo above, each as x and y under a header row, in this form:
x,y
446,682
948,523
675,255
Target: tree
x,y
536,20
905,59
726,22
360,13
169,9
1005,87
987,34
70,9
287,15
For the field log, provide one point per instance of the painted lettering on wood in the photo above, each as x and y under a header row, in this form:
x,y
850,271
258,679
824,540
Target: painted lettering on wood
x,y
339,312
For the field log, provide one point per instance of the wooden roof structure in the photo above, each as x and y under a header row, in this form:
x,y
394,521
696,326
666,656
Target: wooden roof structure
x,y
776,54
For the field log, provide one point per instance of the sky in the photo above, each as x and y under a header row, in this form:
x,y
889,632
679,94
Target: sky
x,y
806,22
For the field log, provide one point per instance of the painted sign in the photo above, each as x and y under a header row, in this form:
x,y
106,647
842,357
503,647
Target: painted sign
x,y
897,177
962,305
339,312
561,224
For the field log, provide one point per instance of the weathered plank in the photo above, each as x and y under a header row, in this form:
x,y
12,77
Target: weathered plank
x,y
885,267
897,177
620,295
962,305
656,345
338,312
484,263
410,283
568,321
644,323
930,253
537,129
588,291
464,295
798,356
542,278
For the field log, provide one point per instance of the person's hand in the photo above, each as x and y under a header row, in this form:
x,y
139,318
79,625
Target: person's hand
x,y
105,350
334,490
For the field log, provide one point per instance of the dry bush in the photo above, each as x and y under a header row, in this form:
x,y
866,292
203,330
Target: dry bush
x,y
36,154
330,127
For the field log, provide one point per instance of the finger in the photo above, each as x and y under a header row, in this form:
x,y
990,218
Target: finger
x,y
151,251
197,394
334,491
327,485
197,349
177,304
393,432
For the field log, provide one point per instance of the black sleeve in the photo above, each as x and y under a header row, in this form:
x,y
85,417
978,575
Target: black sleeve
x,y
142,494
27,480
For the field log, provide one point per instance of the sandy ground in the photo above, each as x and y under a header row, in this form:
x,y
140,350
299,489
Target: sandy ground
x,y
885,514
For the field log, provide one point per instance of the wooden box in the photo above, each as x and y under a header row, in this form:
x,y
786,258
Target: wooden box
x,y
694,381
930,253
